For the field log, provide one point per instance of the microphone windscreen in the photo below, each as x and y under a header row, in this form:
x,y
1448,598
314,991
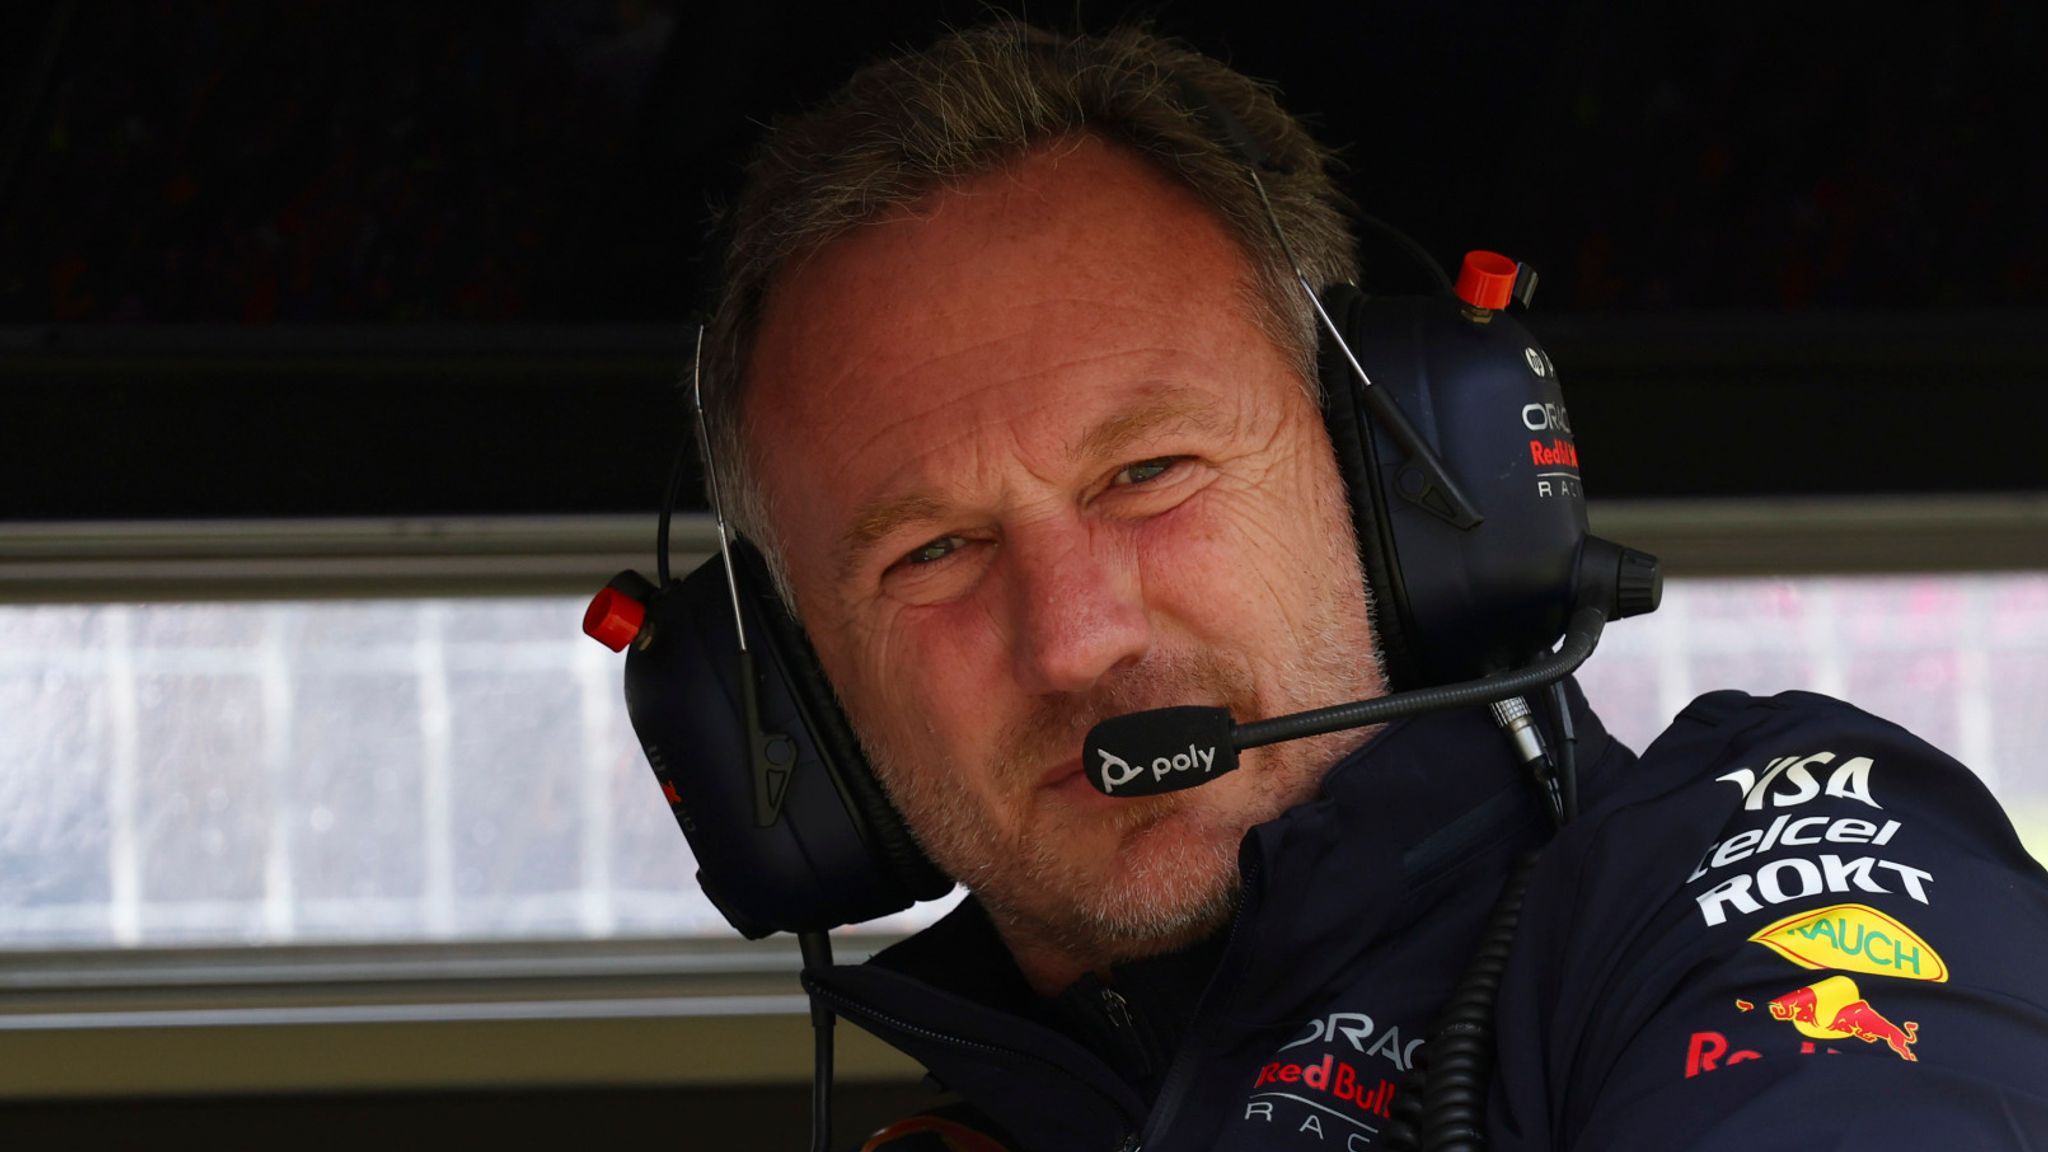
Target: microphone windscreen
x,y
1164,750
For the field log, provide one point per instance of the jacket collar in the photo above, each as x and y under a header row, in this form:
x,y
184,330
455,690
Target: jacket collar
x,y
1390,832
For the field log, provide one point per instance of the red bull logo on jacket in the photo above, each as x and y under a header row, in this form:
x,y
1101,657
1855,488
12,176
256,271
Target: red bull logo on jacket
x,y
1834,1009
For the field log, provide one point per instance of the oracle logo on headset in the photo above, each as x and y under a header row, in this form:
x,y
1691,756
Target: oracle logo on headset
x,y
1543,417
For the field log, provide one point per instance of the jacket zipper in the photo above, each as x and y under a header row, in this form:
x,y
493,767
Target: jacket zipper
x,y
1132,1043
856,1011
1116,1008
1182,1070
1183,1067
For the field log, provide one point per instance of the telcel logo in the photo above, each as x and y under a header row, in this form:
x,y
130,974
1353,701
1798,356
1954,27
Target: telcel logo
x,y
1117,771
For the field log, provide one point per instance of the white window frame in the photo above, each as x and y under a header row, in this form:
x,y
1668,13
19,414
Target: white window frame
x,y
140,1021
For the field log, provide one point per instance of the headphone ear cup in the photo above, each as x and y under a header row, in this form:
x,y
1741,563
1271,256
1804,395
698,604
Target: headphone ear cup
x,y
1357,462
880,825
1455,600
833,850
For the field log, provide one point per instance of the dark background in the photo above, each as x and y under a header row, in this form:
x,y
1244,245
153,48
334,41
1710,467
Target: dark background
x,y
265,258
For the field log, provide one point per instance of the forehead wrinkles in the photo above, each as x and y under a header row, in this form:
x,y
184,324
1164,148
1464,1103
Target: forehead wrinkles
x,y
1155,410
995,396
981,385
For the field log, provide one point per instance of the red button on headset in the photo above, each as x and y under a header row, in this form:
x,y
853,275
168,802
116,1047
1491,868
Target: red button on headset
x,y
1487,280
613,618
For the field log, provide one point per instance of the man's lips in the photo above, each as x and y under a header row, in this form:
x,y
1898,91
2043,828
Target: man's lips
x,y
1067,781
1063,773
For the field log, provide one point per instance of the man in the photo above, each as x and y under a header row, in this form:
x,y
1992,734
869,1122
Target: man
x,y
1013,386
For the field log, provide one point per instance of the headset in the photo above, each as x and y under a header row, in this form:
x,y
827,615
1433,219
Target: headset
x,y
1462,472
1463,477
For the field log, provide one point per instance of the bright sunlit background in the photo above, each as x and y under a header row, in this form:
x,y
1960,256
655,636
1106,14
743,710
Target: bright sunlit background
x,y
431,770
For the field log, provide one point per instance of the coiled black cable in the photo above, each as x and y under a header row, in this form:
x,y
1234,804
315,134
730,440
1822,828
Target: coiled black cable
x,y
1442,1104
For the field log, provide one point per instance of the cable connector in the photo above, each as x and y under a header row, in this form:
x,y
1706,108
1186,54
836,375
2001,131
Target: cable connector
x,y
1515,718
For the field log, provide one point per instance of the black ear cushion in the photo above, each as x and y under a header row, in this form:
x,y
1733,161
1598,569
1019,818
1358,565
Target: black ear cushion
x,y
881,826
1357,461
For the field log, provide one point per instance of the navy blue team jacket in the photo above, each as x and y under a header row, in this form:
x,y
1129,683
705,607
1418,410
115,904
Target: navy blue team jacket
x,y
1789,925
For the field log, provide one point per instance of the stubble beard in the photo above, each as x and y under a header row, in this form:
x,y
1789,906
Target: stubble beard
x,y
1174,877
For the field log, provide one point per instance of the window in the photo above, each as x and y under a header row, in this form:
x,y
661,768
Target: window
x,y
265,773
436,769
1959,660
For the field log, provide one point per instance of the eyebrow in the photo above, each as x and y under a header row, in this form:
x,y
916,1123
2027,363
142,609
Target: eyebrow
x,y
877,522
1173,410
1170,410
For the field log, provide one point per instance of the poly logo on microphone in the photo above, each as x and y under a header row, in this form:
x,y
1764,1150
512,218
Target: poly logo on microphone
x,y
1117,772
1203,731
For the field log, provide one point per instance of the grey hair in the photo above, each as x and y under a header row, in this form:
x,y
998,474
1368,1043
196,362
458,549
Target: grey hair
x,y
907,127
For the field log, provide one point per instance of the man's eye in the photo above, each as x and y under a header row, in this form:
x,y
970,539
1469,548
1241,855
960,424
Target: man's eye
x,y
1146,470
935,551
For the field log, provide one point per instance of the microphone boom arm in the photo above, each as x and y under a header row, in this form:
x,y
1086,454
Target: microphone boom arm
x,y
1581,636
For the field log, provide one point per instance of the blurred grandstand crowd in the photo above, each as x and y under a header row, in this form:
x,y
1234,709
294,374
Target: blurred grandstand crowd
x,y
303,162
257,162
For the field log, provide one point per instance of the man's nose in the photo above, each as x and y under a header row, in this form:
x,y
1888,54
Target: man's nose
x,y
1078,606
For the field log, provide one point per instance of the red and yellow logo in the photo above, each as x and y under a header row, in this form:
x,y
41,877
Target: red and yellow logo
x,y
1834,1009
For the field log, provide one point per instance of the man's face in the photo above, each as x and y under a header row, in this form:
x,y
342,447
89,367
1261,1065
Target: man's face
x,y
1033,464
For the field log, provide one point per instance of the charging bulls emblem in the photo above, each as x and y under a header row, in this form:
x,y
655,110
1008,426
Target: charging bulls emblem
x,y
1834,1009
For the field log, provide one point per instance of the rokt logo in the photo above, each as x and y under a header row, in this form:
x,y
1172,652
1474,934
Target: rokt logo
x,y
1797,878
